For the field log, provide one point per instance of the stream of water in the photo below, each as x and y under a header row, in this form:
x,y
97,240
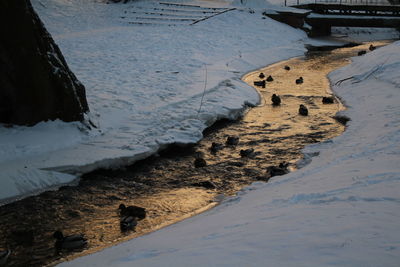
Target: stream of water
x,y
168,185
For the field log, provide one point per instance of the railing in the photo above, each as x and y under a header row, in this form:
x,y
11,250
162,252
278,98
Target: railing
x,y
345,2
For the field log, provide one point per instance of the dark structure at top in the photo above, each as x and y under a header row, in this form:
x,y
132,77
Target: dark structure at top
x,y
35,81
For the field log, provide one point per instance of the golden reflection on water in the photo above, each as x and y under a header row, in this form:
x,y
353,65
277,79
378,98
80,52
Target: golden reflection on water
x,y
165,186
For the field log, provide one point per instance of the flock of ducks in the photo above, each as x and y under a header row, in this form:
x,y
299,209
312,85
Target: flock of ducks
x,y
200,162
276,100
129,217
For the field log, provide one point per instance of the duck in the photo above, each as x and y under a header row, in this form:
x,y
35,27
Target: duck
x,y
70,242
215,147
327,100
127,223
299,80
276,100
362,52
372,47
270,79
303,110
261,76
232,140
260,83
200,162
4,256
247,152
134,211
286,67
276,171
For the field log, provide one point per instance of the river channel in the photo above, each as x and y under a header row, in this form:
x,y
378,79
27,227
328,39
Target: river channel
x,y
168,185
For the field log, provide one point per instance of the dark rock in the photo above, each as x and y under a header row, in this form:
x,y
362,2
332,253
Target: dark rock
x,y
328,100
245,153
215,147
134,211
199,163
303,110
260,83
205,184
261,76
287,67
362,52
270,79
276,100
232,140
299,80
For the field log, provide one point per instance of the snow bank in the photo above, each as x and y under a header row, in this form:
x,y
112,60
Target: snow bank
x,y
144,83
340,210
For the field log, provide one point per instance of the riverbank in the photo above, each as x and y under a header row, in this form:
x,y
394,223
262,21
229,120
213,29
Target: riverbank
x,y
341,209
144,85
169,186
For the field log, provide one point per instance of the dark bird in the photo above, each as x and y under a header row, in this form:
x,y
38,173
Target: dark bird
x,y
127,223
276,100
303,110
200,162
327,100
70,242
276,171
299,80
4,254
261,76
362,52
232,140
287,67
260,83
215,147
372,47
134,211
247,152
269,78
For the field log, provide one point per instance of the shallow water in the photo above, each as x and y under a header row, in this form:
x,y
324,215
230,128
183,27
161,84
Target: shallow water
x,y
167,185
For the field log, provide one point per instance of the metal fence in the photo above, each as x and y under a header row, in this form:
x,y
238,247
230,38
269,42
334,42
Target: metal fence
x,y
344,2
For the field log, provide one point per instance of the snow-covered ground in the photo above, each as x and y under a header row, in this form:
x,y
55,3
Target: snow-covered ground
x,y
342,209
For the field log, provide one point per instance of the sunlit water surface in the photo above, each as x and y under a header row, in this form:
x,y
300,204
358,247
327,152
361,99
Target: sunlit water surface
x,y
167,185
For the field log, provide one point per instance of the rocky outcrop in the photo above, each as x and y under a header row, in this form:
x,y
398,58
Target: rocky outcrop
x,y
35,81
